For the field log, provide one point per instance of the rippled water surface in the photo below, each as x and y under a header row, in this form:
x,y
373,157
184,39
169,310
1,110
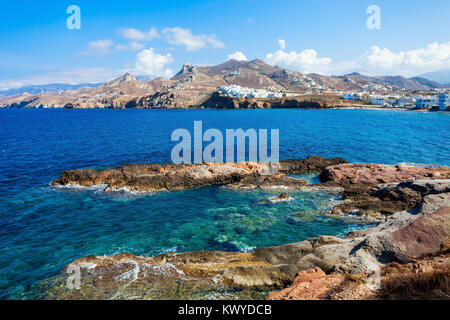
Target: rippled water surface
x,y
42,228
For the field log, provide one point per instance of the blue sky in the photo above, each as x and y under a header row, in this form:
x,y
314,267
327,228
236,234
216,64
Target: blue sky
x,y
329,37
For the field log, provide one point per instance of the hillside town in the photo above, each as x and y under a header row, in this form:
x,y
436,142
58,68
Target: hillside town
x,y
435,101
244,92
256,81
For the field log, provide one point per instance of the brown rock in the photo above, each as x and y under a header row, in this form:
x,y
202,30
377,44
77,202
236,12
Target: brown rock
x,y
426,234
376,173
310,284
155,177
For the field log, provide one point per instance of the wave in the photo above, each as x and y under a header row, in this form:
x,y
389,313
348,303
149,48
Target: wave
x,y
75,187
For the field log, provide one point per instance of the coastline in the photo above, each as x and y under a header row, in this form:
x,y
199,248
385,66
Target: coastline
x,y
343,107
425,207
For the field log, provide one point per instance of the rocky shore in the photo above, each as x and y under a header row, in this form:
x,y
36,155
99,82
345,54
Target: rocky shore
x,y
218,101
170,177
411,205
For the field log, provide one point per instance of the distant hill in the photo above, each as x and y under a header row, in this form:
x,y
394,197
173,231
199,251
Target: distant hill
x,y
442,76
194,84
53,88
416,83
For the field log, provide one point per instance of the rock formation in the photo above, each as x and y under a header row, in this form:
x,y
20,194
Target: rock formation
x,y
218,101
376,173
155,177
369,190
396,240
411,205
281,198
378,190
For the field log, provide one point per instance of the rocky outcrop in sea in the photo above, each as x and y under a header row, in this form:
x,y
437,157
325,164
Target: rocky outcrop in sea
x,y
410,204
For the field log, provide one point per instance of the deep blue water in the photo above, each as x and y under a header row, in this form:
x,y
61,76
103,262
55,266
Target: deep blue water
x,y
42,228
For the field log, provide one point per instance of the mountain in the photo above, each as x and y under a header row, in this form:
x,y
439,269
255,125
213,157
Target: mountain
x,y
193,85
53,88
109,94
442,76
416,83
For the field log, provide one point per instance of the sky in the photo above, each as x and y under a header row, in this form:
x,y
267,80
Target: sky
x,y
154,38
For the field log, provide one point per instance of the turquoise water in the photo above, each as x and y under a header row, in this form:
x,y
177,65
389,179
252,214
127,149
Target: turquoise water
x,y
43,228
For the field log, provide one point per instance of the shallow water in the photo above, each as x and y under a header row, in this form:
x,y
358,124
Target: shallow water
x,y
43,228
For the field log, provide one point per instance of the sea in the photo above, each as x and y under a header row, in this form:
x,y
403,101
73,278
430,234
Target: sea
x,y
43,228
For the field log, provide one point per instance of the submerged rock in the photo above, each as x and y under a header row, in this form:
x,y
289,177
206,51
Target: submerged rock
x,y
403,237
281,198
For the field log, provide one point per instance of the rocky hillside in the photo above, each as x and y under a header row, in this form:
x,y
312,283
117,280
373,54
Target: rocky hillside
x,y
52,87
416,83
194,85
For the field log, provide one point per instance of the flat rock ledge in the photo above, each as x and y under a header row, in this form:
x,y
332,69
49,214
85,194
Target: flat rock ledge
x,y
370,191
171,177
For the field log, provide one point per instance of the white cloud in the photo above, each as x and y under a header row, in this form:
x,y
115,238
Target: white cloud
x,y
377,61
239,56
70,76
306,61
282,44
184,37
137,35
132,46
152,64
98,47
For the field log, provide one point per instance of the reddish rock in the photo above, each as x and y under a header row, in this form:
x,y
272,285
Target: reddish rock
x,y
377,173
308,285
426,234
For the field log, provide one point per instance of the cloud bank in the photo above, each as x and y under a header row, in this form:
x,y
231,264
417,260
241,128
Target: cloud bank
x,y
184,37
377,61
138,35
99,47
306,61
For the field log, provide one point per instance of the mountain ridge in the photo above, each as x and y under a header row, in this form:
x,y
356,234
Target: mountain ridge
x,y
441,76
193,84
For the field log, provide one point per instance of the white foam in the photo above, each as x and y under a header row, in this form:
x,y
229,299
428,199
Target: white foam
x,y
95,188
88,265
131,275
416,164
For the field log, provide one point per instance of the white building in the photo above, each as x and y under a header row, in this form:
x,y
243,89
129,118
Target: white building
x,y
352,96
348,96
444,101
243,92
405,102
426,102
392,100
377,100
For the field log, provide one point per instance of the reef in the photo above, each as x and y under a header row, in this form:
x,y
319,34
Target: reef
x,y
410,205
